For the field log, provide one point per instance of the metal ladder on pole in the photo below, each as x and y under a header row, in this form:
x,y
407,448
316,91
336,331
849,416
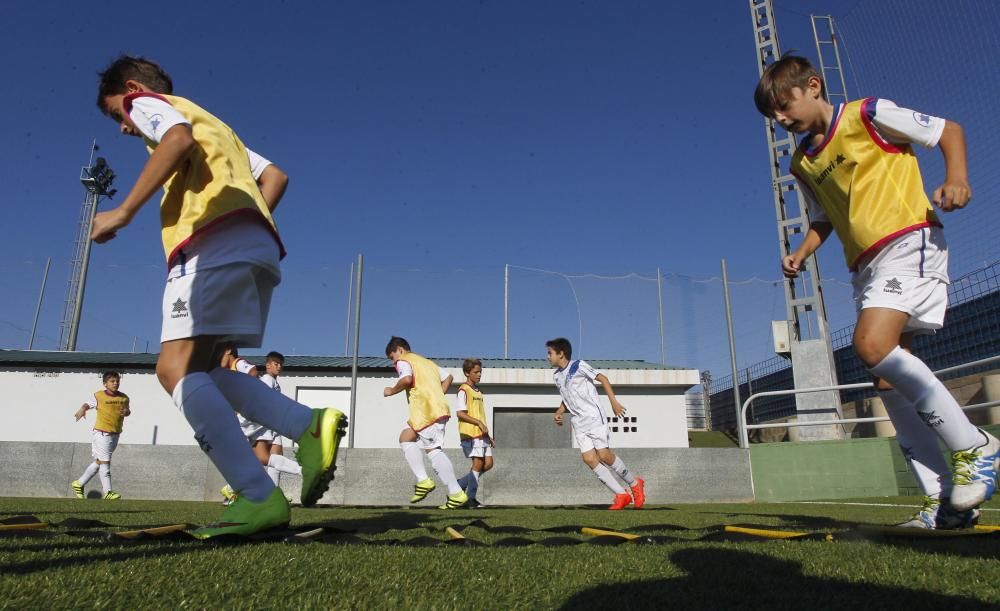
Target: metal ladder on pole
x,y
811,349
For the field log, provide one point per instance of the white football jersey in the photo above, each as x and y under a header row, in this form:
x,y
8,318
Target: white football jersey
x,y
576,386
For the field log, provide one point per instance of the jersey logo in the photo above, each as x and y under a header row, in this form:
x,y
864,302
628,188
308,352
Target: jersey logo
x,y
922,119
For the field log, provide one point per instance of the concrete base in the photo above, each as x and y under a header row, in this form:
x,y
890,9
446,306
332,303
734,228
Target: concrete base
x,y
812,367
991,392
381,477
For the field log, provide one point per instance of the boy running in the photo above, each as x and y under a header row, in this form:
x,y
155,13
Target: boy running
x,y
112,407
425,386
277,463
575,381
860,178
262,439
222,251
477,443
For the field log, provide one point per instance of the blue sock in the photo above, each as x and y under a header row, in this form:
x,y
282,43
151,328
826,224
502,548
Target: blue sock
x,y
464,480
473,479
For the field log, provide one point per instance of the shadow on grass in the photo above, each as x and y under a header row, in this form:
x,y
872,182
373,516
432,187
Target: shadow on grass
x,y
816,522
728,579
94,555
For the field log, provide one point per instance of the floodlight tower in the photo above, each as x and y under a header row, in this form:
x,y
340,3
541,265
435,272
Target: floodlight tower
x,y
96,178
805,332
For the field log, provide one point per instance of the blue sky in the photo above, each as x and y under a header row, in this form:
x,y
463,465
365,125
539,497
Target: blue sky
x,y
440,139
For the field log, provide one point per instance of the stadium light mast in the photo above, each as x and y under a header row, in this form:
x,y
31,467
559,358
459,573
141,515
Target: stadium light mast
x,y
810,348
96,178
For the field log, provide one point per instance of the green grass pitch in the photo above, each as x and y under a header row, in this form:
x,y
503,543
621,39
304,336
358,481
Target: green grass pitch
x,y
397,557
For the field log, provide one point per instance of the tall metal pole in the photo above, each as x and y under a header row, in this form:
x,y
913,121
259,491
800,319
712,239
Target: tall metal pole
x,y
659,299
38,308
506,309
732,352
347,320
74,326
354,362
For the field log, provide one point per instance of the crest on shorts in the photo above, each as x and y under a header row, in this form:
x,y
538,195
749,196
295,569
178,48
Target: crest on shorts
x,y
180,309
893,286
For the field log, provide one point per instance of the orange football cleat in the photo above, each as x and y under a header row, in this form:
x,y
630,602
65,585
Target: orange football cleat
x,y
621,501
639,492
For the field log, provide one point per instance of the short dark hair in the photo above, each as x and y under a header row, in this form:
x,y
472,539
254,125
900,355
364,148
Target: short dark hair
x,y
131,68
780,78
277,357
108,375
396,342
468,364
561,344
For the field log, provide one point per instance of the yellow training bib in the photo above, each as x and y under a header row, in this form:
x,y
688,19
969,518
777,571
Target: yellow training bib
x,y
870,189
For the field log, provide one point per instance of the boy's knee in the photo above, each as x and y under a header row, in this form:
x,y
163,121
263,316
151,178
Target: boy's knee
x,y
590,459
870,350
881,384
166,373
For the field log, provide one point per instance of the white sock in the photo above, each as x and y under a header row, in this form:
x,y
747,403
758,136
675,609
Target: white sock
x,y
604,474
257,402
88,473
105,470
285,465
273,473
915,381
415,458
919,445
473,487
218,433
619,467
445,470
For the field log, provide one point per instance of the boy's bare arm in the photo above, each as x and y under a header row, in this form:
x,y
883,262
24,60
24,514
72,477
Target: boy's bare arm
x,y
80,413
446,383
168,155
558,416
955,192
272,182
616,407
401,384
817,234
464,416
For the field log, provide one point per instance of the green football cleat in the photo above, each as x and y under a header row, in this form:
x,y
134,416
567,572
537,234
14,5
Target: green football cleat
x,y
111,495
421,489
317,452
456,501
244,517
78,489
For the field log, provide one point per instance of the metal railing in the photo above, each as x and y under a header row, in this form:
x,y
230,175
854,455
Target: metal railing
x,y
744,428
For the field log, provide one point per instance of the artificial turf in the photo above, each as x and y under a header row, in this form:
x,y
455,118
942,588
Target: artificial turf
x,y
396,557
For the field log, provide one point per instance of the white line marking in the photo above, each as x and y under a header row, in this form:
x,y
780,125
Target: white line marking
x,y
866,504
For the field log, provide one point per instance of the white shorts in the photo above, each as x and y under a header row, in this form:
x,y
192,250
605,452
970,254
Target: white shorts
x,y
476,448
102,445
924,299
255,432
431,437
592,437
231,301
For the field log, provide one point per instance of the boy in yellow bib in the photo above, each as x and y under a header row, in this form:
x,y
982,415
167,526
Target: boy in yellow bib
x,y
860,178
112,407
223,251
477,443
425,386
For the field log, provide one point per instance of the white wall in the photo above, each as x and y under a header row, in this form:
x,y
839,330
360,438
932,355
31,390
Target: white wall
x,y
39,406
